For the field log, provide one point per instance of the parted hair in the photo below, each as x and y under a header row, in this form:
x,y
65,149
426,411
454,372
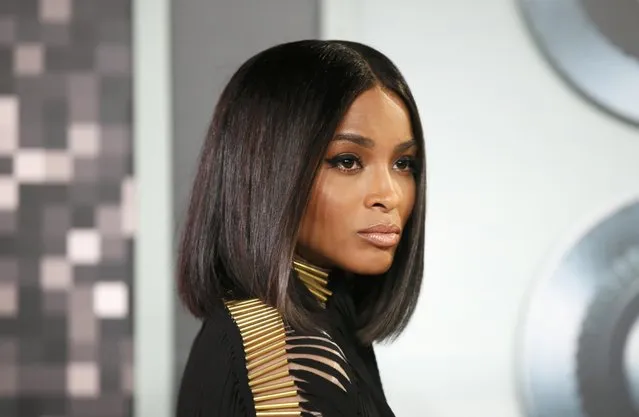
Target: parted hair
x,y
267,138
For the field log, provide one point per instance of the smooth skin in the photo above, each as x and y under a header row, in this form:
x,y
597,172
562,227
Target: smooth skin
x,y
366,180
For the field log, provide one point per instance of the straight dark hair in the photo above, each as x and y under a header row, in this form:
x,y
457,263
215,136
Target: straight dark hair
x,y
267,138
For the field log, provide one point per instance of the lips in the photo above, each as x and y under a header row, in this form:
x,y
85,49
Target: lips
x,y
382,235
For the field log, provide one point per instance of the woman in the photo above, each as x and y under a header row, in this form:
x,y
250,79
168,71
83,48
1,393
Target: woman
x,y
304,238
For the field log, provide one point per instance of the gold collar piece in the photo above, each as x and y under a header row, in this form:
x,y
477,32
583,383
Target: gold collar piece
x,y
314,278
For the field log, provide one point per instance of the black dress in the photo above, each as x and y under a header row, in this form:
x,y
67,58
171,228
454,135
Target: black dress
x,y
245,362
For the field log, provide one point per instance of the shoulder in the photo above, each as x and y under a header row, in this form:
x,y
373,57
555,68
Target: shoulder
x,y
214,380
216,331
224,331
215,343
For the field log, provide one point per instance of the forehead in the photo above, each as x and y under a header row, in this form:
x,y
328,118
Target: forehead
x,y
378,114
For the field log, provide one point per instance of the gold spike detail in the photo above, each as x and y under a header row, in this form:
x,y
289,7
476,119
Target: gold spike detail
x,y
314,278
265,407
316,286
264,339
256,327
243,311
268,397
268,378
247,302
258,332
234,306
265,359
279,364
268,349
273,387
318,295
262,315
265,342
252,311
313,269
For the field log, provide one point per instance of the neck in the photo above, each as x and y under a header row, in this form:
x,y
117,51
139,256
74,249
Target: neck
x,y
314,278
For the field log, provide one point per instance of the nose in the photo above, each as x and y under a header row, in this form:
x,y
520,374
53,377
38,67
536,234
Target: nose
x,y
384,192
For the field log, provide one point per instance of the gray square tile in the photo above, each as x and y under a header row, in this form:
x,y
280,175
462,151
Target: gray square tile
x,y
83,30
8,351
116,100
56,35
109,192
114,9
115,30
83,95
6,61
8,269
8,383
113,58
83,217
82,192
7,30
8,223
6,165
55,11
56,220
83,352
37,379
54,245
85,275
86,170
69,59
7,84
112,168
31,349
55,136
116,140
29,30
114,249
55,303
32,136
27,9
55,114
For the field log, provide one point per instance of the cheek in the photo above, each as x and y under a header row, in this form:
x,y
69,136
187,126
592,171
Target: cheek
x,y
332,204
409,190
328,217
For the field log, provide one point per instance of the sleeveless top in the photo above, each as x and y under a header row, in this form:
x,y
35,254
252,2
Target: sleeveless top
x,y
247,362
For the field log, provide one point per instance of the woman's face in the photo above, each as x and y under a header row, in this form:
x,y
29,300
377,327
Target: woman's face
x,y
364,191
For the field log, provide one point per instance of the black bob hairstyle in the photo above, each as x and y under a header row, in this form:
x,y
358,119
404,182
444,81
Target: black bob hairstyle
x,y
268,135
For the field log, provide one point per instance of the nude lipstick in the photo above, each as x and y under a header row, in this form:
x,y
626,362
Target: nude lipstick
x,y
383,236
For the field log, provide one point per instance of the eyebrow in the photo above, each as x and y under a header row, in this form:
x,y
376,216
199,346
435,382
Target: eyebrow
x,y
370,143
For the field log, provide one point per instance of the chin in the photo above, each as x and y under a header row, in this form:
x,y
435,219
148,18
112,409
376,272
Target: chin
x,y
370,264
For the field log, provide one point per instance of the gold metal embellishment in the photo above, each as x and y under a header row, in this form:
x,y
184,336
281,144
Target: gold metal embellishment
x,y
264,339
315,279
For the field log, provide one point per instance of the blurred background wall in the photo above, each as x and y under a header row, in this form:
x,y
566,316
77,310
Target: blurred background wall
x,y
519,164
211,39
66,189
103,108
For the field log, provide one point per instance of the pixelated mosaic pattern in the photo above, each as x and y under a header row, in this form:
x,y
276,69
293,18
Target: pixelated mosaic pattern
x,y
66,196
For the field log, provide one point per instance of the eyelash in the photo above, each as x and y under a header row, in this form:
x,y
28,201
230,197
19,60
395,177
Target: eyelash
x,y
339,160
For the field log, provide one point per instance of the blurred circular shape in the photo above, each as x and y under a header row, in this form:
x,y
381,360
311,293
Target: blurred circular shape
x,y
602,376
618,21
631,361
594,45
577,353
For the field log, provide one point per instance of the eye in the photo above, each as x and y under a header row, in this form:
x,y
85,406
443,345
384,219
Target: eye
x,y
406,163
345,162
